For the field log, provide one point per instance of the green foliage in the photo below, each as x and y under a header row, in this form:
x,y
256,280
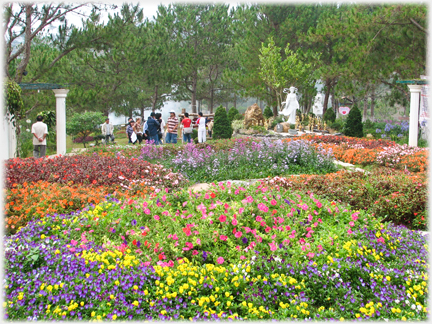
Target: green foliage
x,y
14,102
267,112
277,120
337,125
222,126
49,118
232,114
329,115
353,125
84,124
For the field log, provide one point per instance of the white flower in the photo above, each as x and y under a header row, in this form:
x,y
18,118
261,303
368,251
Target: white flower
x,y
413,306
397,301
28,121
28,130
419,307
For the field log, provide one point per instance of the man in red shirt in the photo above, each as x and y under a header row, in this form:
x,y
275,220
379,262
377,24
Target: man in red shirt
x,y
187,128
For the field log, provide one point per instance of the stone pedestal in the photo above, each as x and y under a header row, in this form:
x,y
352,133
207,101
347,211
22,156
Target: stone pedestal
x,y
60,95
415,90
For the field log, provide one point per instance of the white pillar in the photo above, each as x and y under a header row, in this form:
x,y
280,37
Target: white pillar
x,y
415,90
60,95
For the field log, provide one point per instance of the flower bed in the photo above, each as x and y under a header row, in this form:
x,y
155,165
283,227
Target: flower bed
x,y
89,170
34,200
240,253
390,195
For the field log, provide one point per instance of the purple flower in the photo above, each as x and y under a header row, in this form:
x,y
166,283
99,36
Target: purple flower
x,y
244,240
204,255
134,222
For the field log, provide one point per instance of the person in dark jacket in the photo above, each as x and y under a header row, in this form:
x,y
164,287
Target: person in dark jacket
x,y
130,131
153,127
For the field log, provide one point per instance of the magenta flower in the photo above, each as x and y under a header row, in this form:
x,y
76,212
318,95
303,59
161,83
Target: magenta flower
x,y
273,246
234,222
258,219
223,237
351,224
263,207
220,260
310,255
156,217
222,218
273,202
238,234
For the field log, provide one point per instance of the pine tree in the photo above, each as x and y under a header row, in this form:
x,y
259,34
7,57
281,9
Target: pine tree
x,y
354,125
267,112
232,113
222,126
329,115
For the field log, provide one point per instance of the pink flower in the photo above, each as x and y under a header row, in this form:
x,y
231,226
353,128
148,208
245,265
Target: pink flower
x,y
238,234
242,257
147,211
268,229
72,249
185,203
74,243
258,219
287,227
234,222
273,247
354,216
241,210
310,255
220,260
273,202
308,234
207,196
189,245
263,207
273,236
222,218
310,217
156,217
349,231
249,199
319,205
194,252
223,237
286,242
259,239
303,247
320,248
351,224
315,224
381,240
302,241
198,241
319,220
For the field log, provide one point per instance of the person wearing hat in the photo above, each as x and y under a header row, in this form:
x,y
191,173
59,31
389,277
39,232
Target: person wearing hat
x,y
152,127
172,125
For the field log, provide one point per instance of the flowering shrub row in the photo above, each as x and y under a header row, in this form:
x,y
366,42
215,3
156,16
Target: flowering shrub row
x,y
90,170
390,195
290,256
251,159
34,200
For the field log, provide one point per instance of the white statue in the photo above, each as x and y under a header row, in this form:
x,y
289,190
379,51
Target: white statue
x,y
318,104
291,105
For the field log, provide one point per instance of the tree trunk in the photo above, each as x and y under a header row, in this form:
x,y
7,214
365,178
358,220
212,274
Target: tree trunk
x,y
193,99
328,87
211,100
23,64
142,108
235,101
154,101
365,106
130,112
372,103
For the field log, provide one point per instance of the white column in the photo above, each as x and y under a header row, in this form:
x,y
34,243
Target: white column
x,y
60,95
415,90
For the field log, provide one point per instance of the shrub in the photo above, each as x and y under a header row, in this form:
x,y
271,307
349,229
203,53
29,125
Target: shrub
x,y
232,113
267,112
83,124
329,116
222,126
277,120
353,126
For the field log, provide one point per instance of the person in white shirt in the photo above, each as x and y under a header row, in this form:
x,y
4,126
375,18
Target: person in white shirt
x,y
40,132
201,122
108,131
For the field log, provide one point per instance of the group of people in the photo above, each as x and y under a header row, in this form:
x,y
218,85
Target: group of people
x,y
156,131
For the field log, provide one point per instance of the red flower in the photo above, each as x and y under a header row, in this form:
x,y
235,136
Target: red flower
x,y
234,230
134,242
212,195
160,256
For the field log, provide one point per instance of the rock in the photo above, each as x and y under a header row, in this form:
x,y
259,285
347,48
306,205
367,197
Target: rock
x,y
369,135
292,131
279,128
253,115
286,127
